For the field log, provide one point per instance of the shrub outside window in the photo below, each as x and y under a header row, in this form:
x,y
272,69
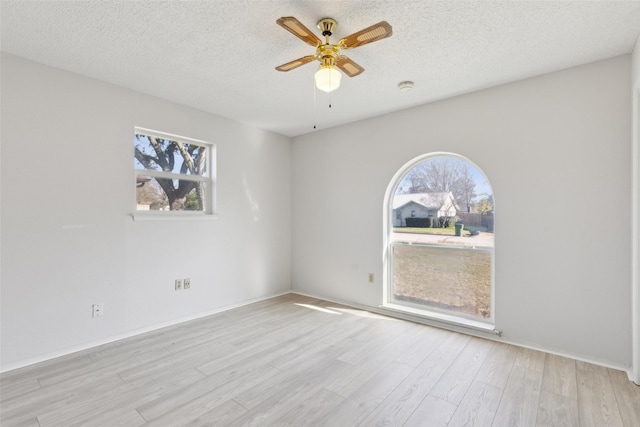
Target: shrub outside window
x,y
172,173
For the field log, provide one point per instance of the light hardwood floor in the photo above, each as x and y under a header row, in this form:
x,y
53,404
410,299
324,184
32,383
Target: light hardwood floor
x,y
298,361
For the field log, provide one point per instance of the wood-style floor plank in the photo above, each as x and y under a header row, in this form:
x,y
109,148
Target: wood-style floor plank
x,y
627,397
426,340
227,382
366,366
283,397
401,403
17,388
523,386
113,402
190,403
478,407
308,411
431,412
364,400
456,381
598,405
560,376
219,416
53,400
555,410
530,359
497,366
31,422
295,360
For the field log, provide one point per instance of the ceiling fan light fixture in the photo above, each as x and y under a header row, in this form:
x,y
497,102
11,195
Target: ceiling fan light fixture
x,y
328,78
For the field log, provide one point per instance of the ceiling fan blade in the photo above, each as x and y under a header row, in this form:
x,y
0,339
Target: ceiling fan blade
x,y
349,67
370,34
296,63
296,28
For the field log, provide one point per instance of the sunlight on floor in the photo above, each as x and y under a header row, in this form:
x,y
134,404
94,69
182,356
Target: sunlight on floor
x,y
352,311
313,307
362,313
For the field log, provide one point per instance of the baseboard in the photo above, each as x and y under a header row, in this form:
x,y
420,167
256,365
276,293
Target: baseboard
x,y
113,338
480,334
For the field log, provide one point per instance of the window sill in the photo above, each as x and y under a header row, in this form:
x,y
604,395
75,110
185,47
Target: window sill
x,y
432,316
173,217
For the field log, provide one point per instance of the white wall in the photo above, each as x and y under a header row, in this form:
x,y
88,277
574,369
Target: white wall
x,y
635,68
68,241
556,149
635,179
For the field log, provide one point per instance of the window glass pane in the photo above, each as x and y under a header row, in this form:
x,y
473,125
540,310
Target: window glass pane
x,y
443,200
448,279
165,155
163,194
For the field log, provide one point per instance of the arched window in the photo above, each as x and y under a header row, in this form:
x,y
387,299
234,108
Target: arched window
x,y
439,216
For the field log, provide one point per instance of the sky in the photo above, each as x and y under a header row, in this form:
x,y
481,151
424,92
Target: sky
x,y
482,189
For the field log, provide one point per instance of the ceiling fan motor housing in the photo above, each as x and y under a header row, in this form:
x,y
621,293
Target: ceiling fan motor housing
x,y
327,54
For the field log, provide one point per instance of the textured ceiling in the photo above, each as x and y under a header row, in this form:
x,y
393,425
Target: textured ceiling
x,y
219,56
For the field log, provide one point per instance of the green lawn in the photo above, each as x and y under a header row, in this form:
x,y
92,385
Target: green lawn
x,y
453,279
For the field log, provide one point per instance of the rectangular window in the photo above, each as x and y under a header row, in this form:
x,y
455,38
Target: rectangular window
x,y
173,174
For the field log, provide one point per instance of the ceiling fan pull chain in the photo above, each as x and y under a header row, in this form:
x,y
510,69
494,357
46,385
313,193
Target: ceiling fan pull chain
x,y
315,110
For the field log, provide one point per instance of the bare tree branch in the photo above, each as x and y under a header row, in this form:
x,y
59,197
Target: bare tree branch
x,y
160,156
443,175
188,161
194,161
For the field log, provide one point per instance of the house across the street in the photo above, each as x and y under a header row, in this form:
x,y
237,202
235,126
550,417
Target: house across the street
x,y
423,205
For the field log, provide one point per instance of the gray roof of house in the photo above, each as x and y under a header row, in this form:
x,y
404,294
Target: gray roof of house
x,y
428,200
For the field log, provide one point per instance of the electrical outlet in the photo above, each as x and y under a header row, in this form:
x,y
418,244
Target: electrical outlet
x,y
370,277
187,283
179,284
98,310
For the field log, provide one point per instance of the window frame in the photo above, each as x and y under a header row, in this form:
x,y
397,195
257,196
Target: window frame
x,y
428,313
208,211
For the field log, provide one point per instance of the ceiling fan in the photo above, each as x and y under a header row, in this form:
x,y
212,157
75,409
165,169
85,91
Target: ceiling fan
x,y
328,77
